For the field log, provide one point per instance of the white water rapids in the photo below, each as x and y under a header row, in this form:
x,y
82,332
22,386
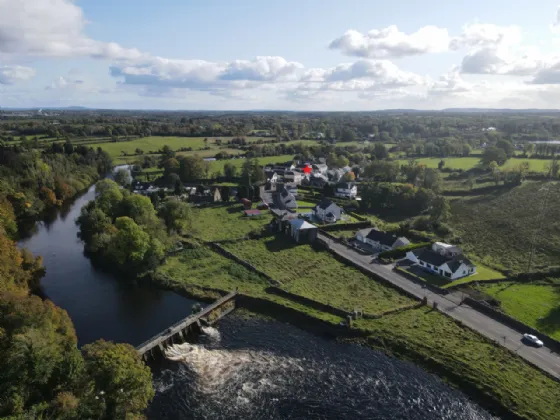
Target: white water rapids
x,y
257,369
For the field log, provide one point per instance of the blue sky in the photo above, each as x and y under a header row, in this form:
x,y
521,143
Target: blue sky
x,y
301,55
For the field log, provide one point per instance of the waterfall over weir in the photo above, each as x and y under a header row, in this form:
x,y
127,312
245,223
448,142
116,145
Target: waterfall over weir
x,y
259,369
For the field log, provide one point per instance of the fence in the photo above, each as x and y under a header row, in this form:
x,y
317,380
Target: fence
x,y
346,226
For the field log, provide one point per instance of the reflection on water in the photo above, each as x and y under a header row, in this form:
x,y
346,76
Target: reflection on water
x,y
258,369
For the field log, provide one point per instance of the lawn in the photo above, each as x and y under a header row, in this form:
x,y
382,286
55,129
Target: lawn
x,y
317,275
537,305
302,203
482,274
497,229
424,334
225,222
218,165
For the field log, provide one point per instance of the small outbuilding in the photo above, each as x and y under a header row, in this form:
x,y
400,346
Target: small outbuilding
x,y
302,231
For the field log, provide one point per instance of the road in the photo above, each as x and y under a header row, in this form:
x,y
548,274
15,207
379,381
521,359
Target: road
x,y
449,304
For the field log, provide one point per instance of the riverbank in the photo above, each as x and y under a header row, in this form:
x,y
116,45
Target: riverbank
x,y
488,373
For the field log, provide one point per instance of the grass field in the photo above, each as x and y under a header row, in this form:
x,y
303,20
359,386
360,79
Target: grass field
x,y
466,163
218,165
317,275
423,335
225,222
438,339
302,203
497,229
537,305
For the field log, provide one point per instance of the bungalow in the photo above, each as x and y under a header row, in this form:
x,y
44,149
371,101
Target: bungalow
x,y
327,211
293,176
346,190
383,241
450,265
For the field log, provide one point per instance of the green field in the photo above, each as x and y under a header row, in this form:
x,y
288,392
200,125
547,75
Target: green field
x,y
497,229
225,222
316,275
537,305
438,339
424,336
466,163
218,165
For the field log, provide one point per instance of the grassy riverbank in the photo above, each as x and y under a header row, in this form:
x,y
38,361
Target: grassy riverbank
x,y
496,377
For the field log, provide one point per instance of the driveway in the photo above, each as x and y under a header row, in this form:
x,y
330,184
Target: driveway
x,y
451,305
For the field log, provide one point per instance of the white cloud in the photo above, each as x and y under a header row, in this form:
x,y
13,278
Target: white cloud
x,y
207,75
450,84
486,34
13,74
549,75
53,28
502,61
390,42
63,83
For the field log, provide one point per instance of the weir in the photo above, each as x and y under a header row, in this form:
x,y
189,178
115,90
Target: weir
x,y
179,331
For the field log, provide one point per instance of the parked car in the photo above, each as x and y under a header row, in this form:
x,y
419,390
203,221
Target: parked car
x,y
532,339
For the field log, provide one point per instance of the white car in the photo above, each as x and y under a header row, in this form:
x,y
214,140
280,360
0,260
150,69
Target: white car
x,y
533,340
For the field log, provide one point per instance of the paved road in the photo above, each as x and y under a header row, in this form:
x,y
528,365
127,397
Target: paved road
x,y
450,305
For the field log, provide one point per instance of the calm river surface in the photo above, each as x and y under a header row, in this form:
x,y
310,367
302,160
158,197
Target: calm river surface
x,y
247,368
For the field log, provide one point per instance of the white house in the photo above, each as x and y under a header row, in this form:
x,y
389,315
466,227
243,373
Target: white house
x,y
383,241
346,190
293,177
271,176
443,260
320,168
327,211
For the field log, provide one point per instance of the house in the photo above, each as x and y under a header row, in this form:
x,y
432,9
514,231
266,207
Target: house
x,y
318,180
282,219
436,260
293,176
292,189
327,211
334,175
302,231
287,200
271,176
201,194
320,168
346,190
382,241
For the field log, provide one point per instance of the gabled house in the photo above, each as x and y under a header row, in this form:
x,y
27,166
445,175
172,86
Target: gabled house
x,y
327,211
382,241
320,168
346,190
436,260
318,180
271,176
302,231
293,177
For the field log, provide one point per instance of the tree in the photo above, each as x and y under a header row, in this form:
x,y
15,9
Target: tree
x,y
494,154
441,164
230,170
529,149
191,168
122,177
432,179
440,210
139,208
506,146
552,168
348,177
120,377
176,215
251,172
380,151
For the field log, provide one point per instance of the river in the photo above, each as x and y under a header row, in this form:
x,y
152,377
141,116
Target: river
x,y
249,368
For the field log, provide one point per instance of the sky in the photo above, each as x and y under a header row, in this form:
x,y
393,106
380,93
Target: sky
x,y
317,55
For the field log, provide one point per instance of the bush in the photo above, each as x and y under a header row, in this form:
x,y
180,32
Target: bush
x,y
400,252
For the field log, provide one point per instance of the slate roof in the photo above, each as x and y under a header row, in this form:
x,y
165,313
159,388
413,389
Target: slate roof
x,y
435,258
325,204
301,224
384,238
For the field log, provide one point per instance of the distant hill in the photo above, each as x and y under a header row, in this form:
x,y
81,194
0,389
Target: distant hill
x,y
504,110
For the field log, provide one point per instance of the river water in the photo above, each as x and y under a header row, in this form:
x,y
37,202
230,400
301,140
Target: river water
x,y
248,368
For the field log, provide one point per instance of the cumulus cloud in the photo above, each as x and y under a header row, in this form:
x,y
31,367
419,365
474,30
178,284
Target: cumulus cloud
x,y
390,42
450,84
64,82
549,75
486,34
54,28
207,75
503,61
13,74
